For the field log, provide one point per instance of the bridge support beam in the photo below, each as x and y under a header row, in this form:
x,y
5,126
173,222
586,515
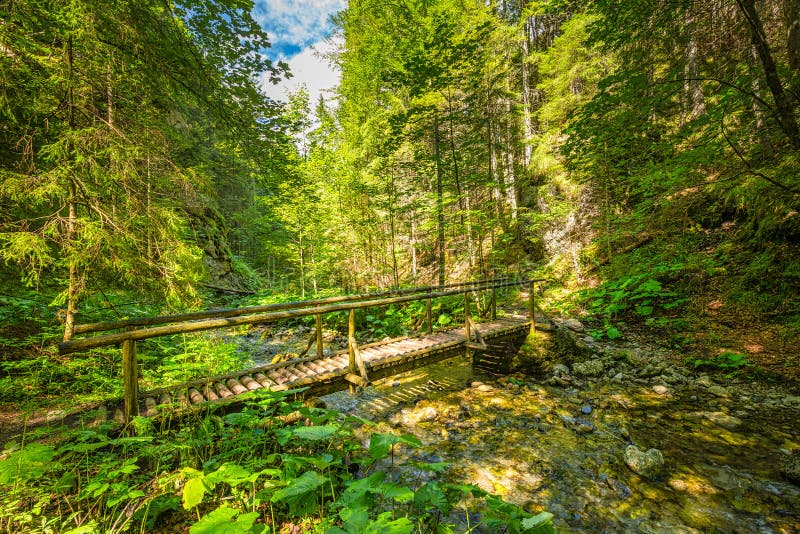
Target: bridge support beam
x,y
319,335
130,379
532,305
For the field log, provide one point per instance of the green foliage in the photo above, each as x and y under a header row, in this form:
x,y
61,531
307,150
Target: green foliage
x,y
732,363
237,474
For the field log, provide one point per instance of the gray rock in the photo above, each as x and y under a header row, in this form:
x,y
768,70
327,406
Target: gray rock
x,y
718,391
574,325
589,340
560,369
647,464
619,377
586,409
791,468
722,419
791,400
704,381
588,368
585,428
660,390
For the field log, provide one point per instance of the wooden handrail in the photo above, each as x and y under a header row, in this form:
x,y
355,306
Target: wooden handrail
x,y
276,312
249,310
77,345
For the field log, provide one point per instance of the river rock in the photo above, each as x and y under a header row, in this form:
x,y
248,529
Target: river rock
x,y
660,389
722,419
647,464
791,400
791,468
560,369
574,325
584,428
718,391
588,368
586,409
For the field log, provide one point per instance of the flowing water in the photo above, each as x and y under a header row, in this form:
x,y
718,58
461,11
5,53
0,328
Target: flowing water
x,y
560,448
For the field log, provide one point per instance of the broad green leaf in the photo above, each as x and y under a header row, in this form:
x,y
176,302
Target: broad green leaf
x,y
540,523
28,463
401,494
298,490
385,525
193,492
314,433
221,521
431,495
231,474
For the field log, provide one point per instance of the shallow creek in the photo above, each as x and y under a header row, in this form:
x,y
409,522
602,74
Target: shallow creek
x,y
560,448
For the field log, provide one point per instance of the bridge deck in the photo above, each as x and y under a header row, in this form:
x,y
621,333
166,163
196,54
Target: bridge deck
x,y
326,374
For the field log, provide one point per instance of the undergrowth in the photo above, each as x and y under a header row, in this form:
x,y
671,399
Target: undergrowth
x,y
276,464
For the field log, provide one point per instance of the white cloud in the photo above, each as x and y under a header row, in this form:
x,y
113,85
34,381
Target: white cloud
x,y
311,68
295,24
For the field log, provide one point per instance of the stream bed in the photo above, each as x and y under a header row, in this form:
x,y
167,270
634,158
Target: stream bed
x,y
557,442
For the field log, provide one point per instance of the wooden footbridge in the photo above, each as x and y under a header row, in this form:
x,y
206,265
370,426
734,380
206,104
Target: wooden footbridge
x,y
351,368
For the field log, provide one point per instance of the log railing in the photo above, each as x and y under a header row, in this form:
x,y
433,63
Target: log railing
x,y
137,329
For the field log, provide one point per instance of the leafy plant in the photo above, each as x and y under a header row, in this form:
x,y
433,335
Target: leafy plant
x,y
732,363
273,462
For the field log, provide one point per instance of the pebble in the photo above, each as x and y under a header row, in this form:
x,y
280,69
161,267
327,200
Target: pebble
x,y
693,398
586,409
585,428
395,384
660,389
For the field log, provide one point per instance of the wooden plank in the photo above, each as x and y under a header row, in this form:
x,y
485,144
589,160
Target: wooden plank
x,y
209,393
235,386
263,380
249,383
223,391
180,398
195,396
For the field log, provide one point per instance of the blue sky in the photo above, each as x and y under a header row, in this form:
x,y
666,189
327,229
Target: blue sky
x,y
298,30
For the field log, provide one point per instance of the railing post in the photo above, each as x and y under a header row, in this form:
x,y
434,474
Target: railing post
x,y
494,300
351,337
319,335
467,332
428,316
532,305
130,379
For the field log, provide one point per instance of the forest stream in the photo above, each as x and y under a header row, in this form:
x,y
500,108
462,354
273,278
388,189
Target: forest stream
x,y
558,441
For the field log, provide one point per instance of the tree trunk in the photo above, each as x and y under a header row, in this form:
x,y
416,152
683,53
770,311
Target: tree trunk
x,y
302,267
439,199
792,10
413,251
72,288
784,111
695,104
527,97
